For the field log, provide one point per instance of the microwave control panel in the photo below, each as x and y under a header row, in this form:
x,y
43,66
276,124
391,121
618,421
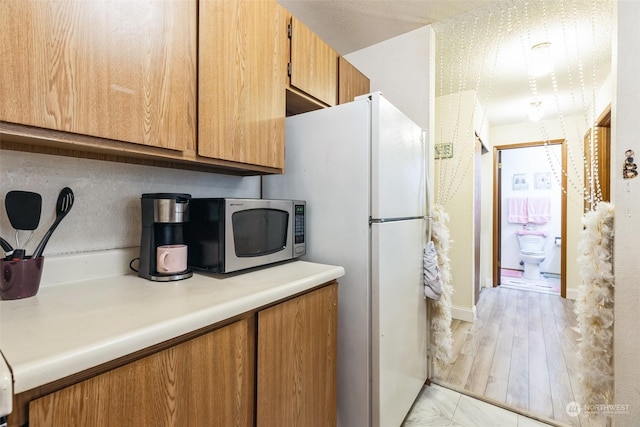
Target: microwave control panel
x,y
298,230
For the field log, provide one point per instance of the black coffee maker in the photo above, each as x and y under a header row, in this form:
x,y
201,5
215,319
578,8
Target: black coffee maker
x,y
163,218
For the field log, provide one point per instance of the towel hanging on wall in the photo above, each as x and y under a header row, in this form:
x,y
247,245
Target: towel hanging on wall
x,y
538,210
517,212
529,210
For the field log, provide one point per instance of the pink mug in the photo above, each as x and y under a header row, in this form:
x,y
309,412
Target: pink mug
x,y
171,259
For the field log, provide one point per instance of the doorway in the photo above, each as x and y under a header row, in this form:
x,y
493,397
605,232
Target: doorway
x,y
477,218
529,205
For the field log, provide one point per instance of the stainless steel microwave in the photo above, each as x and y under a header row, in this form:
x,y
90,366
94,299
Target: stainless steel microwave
x,y
225,235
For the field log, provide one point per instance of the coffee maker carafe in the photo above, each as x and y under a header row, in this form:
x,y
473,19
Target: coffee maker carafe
x,y
163,218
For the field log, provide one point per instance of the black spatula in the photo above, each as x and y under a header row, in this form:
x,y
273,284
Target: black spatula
x,y
23,209
63,206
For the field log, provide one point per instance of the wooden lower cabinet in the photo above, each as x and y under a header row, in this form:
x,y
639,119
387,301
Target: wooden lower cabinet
x,y
206,381
219,378
297,350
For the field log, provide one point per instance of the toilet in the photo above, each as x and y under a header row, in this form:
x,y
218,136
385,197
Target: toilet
x,y
531,244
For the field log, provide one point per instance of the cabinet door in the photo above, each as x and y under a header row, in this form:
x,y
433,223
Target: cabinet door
x,y
351,82
314,64
206,381
119,70
297,343
242,81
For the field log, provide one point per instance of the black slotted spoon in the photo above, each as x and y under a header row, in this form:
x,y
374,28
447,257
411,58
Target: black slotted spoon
x,y
23,209
63,206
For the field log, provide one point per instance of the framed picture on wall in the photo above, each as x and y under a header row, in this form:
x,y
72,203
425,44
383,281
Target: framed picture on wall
x,y
520,181
542,181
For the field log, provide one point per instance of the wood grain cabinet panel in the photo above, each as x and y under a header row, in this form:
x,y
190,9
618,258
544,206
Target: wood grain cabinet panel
x,y
351,82
121,70
206,381
297,349
286,375
242,81
314,64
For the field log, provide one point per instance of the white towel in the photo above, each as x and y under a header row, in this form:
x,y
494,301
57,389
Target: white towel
x,y
431,272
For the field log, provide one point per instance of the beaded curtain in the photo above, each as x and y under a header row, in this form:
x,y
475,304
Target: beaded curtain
x,y
471,49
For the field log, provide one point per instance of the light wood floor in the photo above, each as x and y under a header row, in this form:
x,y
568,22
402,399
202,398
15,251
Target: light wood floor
x,y
520,352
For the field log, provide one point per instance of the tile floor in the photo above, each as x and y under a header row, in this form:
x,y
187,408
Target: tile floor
x,y
438,406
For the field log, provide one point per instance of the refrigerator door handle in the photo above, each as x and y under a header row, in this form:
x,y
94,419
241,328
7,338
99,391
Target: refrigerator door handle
x,y
383,220
429,226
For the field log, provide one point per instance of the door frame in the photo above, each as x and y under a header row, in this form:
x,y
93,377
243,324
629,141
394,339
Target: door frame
x,y
497,209
477,220
602,127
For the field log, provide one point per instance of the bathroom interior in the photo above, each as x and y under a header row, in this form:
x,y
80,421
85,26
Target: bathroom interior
x,y
531,218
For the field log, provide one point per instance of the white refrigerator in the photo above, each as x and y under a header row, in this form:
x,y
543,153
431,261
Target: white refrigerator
x,y
361,167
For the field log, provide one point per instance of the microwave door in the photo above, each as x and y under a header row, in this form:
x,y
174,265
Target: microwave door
x,y
257,233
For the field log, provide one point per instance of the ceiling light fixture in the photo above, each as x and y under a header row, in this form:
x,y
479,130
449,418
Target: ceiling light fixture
x,y
535,111
540,62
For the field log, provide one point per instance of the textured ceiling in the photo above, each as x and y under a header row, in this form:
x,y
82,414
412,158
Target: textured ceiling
x,y
350,25
490,51
483,45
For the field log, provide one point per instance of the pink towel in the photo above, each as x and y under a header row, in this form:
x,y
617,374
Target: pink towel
x,y
517,210
538,210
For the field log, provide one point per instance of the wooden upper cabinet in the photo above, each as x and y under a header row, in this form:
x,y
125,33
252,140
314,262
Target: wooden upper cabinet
x,y
351,82
117,70
242,81
314,64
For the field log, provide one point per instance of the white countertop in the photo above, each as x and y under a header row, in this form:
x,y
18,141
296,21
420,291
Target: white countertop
x,y
69,327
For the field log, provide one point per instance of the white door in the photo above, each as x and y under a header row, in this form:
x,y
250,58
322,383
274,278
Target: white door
x,y
399,319
398,158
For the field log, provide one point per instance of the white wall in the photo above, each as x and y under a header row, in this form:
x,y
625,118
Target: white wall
x,y
626,197
400,68
106,211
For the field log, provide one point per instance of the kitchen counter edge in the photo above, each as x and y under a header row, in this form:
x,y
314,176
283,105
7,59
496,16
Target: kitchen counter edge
x,y
172,311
